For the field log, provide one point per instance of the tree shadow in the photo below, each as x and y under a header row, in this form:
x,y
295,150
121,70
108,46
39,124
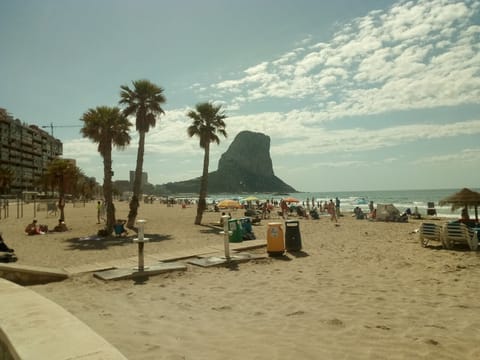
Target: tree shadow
x,y
210,229
95,242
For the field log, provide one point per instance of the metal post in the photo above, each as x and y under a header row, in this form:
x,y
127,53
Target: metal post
x,y
226,243
141,242
140,257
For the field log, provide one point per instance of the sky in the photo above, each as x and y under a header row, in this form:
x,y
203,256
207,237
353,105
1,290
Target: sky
x,y
354,94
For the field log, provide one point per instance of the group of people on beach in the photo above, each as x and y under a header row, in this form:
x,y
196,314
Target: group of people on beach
x,y
39,229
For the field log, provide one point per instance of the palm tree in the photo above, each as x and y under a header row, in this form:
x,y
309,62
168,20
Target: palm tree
x,y
107,127
143,101
6,179
63,175
208,120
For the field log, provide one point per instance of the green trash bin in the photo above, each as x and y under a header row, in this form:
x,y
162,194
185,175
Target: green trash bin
x,y
235,232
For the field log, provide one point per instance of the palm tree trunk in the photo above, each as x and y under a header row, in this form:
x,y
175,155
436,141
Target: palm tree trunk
x,y
107,191
202,204
137,182
61,199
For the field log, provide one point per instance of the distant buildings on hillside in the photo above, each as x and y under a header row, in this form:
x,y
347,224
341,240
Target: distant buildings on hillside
x,y
123,186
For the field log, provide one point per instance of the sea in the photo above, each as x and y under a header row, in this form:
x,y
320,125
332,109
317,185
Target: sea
x,y
401,199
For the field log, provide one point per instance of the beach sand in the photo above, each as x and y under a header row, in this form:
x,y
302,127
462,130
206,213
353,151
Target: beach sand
x,y
359,290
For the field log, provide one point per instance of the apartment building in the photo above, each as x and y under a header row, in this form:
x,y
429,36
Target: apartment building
x,y
25,150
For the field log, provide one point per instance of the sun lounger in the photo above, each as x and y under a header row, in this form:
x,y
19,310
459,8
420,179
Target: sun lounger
x,y
431,209
428,232
458,233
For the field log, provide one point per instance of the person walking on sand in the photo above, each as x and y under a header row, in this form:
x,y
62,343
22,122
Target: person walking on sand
x,y
99,211
332,211
284,208
337,206
370,206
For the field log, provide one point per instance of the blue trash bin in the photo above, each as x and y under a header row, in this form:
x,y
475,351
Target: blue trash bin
x,y
246,225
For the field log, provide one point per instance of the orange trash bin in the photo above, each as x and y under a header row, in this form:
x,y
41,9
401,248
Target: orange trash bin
x,y
275,240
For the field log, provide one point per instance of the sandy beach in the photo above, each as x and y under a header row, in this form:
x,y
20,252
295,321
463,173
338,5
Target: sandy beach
x,y
359,290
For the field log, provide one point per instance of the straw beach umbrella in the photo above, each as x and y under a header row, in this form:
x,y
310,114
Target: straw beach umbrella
x,y
464,198
229,203
250,198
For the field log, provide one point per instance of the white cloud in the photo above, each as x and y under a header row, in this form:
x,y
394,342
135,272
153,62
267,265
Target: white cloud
x,y
471,156
80,149
418,54
303,139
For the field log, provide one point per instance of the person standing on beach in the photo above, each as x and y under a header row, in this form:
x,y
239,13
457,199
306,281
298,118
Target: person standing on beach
x,y
99,211
332,211
284,208
265,209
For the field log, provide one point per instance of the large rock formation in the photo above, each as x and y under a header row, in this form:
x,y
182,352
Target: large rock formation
x,y
246,167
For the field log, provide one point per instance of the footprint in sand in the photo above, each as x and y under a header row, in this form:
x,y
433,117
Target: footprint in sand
x,y
300,312
335,322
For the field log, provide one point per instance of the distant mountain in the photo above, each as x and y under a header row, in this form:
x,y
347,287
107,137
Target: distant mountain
x,y
246,167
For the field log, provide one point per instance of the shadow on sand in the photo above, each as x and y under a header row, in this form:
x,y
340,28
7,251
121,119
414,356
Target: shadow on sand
x,y
211,229
298,254
95,242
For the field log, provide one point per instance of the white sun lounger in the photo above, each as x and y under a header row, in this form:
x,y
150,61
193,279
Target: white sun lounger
x,y
429,232
458,233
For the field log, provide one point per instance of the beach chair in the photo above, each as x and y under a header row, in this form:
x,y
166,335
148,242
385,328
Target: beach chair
x,y
428,232
458,233
431,209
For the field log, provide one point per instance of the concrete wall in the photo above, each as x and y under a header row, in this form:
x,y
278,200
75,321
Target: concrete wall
x,y
33,327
